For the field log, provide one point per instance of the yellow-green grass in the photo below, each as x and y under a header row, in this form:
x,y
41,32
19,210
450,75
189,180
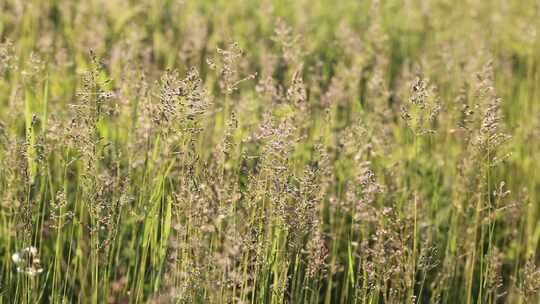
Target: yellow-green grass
x,y
169,151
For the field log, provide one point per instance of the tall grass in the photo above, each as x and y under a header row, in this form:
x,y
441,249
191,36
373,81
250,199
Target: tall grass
x,y
269,151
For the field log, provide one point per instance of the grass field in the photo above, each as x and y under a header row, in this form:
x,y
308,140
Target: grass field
x,y
272,151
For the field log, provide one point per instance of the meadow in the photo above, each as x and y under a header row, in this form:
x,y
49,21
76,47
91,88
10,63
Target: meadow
x,y
271,151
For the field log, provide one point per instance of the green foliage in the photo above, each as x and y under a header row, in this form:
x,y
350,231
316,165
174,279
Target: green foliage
x,y
181,151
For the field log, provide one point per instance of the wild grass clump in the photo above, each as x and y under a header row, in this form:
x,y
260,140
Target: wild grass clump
x,y
273,152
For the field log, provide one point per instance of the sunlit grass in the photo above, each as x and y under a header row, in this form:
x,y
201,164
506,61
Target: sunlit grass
x,y
269,151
